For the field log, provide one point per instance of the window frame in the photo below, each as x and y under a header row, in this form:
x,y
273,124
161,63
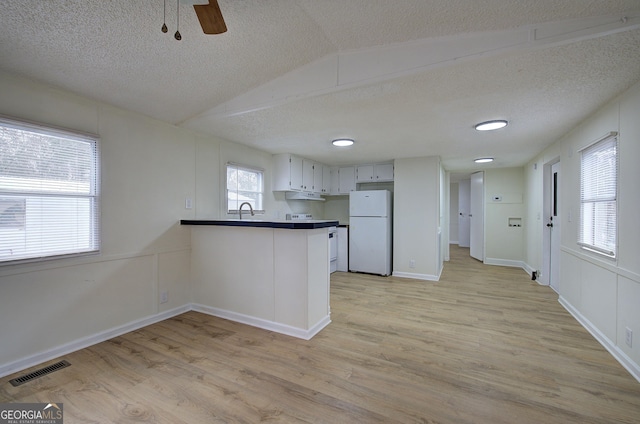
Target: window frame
x,y
258,210
93,194
592,245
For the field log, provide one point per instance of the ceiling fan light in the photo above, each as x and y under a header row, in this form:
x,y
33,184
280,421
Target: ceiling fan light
x,y
342,142
483,160
495,124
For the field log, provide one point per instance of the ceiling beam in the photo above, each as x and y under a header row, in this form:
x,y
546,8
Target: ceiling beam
x,y
351,69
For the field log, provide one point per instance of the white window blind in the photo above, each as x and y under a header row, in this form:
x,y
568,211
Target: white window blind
x,y
49,192
244,184
598,196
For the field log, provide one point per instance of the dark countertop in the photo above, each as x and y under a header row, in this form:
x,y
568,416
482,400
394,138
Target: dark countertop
x,y
293,225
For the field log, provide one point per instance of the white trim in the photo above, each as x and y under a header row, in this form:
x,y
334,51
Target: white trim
x,y
263,323
615,351
47,355
53,130
528,268
84,342
24,268
426,277
504,262
602,263
607,136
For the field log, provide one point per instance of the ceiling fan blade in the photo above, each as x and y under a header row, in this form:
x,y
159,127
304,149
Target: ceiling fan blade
x,y
210,18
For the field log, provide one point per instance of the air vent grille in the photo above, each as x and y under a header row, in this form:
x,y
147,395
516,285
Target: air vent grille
x,y
39,373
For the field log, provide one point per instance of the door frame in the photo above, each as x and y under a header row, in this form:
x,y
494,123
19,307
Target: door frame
x,y
477,237
545,274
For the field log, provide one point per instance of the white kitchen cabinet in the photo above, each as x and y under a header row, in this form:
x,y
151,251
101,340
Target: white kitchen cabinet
x,y
346,179
364,174
383,172
317,178
379,172
307,175
335,181
293,173
287,173
326,180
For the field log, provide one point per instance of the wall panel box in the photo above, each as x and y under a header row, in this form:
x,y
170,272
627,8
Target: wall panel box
x,y
515,222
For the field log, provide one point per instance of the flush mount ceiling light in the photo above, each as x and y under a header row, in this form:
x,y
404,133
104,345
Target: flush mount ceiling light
x,y
483,160
342,142
491,125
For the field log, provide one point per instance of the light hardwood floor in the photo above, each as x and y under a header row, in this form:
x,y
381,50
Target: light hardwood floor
x,y
484,345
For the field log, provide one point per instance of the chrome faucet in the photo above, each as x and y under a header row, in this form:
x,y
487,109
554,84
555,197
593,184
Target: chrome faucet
x,y
250,208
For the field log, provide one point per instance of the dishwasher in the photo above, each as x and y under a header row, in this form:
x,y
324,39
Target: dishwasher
x,y
333,249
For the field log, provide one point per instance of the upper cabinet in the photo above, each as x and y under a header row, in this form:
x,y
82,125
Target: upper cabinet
x,y
326,179
375,173
364,174
346,179
293,173
287,173
308,178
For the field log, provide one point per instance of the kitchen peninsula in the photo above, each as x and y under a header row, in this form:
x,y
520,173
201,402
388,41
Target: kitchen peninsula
x,y
269,274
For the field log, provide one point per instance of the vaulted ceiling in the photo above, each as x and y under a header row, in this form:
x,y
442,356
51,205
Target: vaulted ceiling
x,y
404,78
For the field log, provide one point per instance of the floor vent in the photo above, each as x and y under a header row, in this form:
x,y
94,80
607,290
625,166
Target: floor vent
x,y
39,373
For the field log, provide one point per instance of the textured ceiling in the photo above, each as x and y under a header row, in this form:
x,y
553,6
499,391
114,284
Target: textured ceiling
x,y
114,51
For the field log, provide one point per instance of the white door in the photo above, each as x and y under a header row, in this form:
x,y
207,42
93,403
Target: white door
x,y
553,225
464,200
476,216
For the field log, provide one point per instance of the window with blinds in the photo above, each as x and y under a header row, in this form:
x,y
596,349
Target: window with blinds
x,y
49,192
598,196
244,184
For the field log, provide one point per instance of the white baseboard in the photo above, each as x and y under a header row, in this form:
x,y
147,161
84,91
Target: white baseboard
x,y
39,358
426,277
528,268
504,262
262,323
91,340
615,351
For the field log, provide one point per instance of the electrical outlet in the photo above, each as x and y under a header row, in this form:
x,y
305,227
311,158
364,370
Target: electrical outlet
x,y
188,203
164,296
412,263
628,336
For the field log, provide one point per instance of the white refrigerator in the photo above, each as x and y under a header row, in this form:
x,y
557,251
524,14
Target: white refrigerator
x,y
370,231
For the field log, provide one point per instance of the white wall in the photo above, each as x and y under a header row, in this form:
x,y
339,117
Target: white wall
x,y
337,207
504,245
148,170
603,294
416,218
